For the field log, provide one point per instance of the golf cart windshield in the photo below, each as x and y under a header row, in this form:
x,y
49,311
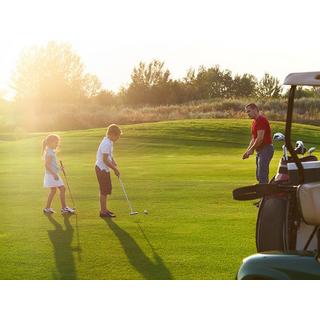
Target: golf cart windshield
x,y
294,80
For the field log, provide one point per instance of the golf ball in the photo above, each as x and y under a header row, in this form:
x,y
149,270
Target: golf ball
x,y
145,211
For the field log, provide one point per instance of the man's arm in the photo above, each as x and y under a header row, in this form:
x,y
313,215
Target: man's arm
x,y
110,164
250,144
246,154
256,143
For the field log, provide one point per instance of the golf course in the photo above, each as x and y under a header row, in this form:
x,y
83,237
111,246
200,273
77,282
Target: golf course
x,y
183,172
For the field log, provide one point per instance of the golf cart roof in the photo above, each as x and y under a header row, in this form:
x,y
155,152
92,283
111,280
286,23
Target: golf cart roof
x,y
303,79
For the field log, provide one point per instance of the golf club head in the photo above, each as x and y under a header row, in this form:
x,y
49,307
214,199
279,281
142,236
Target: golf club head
x,y
300,148
136,212
312,149
278,136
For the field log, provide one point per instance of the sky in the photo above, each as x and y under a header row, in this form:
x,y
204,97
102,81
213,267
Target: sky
x,y
112,37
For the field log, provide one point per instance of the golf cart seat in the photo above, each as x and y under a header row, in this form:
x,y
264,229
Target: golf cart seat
x,y
309,198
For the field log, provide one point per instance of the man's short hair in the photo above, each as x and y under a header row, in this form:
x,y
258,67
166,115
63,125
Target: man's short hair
x,y
252,106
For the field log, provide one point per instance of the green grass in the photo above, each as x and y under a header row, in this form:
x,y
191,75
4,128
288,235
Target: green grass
x,y
183,172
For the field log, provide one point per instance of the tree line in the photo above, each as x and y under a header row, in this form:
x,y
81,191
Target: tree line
x,y
54,75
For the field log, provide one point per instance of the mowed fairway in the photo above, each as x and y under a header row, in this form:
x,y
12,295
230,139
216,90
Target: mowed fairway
x,y
182,172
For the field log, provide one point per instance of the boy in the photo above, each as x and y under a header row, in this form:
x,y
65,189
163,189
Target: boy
x,y
104,162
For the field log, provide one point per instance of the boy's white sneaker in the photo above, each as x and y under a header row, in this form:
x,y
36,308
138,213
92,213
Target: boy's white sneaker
x,y
67,210
48,210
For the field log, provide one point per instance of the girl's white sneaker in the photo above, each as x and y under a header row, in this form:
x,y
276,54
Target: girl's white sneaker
x,y
48,210
67,210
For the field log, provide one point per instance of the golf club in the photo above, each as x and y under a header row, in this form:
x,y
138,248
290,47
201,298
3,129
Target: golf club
x,y
311,150
65,176
300,148
280,137
132,211
77,229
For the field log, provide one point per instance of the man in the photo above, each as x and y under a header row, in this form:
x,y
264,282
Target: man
x,y
261,142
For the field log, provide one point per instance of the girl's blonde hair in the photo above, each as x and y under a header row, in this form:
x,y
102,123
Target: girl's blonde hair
x,y
114,129
48,140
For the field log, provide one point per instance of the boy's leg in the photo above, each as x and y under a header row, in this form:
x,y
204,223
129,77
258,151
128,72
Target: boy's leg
x,y
104,186
62,190
103,202
50,196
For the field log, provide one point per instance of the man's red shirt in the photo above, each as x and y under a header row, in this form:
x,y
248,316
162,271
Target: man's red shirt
x,y
261,123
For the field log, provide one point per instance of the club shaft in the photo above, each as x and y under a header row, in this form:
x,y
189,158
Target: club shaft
x,y
67,183
70,192
125,193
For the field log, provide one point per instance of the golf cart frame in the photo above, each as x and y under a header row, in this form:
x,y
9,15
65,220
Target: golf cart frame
x,y
294,80
291,263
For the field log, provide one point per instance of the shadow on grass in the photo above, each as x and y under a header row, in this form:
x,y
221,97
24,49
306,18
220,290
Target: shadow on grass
x,y
63,252
145,266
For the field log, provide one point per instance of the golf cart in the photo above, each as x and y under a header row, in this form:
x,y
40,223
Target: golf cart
x,y
288,232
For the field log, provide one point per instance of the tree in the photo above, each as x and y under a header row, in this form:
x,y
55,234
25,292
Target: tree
x,y
52,74
91,85
244,86
105,98
305,92
269,87
188,85
149,83
3,102
213,83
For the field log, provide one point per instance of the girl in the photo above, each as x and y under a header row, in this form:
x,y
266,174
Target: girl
x,y
52,179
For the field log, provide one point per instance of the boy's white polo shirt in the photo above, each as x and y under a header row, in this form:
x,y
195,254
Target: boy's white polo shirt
x,y
106,146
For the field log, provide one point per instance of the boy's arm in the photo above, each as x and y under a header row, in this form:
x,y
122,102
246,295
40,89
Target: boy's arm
x,y
48,167
110,164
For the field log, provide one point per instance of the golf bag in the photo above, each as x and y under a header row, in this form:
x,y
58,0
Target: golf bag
x,y
280,224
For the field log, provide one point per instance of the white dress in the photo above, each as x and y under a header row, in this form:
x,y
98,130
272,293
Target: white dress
x,y
49,180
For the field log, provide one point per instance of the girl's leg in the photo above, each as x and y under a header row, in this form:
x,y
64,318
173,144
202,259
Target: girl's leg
x,y
103,202
50,196
62,190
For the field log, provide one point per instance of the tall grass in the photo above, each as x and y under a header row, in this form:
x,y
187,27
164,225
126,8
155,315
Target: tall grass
x,y
65,117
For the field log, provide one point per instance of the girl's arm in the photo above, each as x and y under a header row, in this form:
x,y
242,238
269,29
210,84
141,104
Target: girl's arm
x,y
48,167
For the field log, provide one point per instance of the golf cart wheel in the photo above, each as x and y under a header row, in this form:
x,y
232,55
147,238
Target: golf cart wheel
x,y
271,233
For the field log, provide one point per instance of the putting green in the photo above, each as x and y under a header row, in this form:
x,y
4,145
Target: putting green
x,y
182,172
